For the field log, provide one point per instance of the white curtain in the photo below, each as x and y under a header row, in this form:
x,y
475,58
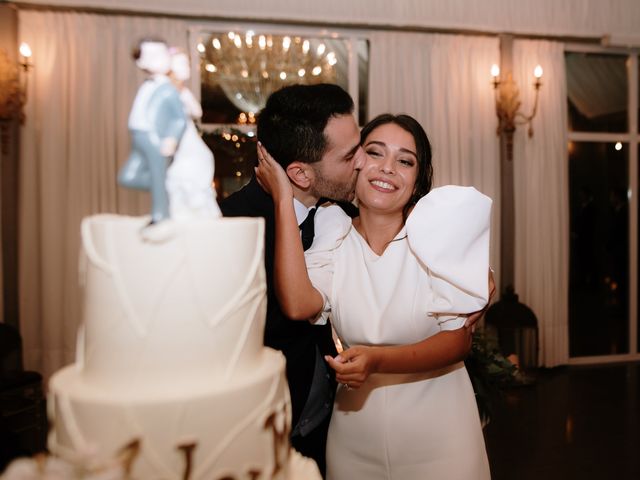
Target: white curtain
x,y
597,85
74,140
541,198
444,82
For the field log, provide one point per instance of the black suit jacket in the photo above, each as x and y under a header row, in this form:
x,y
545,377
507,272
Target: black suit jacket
x,y
296,339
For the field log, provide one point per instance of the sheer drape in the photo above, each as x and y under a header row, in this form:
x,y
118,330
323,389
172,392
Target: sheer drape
x,y
444,82
541,198
596,85
74,139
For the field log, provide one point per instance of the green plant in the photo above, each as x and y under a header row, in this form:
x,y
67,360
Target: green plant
x,y
489,370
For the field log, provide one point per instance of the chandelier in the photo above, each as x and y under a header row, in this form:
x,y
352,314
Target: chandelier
x,y
249,67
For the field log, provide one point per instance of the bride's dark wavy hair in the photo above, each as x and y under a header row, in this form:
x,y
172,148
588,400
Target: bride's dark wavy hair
x,y
423,151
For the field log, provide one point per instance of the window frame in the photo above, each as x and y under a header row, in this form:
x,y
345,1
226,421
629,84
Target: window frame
x,y
632,139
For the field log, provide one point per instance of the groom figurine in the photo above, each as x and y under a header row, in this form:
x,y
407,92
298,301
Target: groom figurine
x,y
311,131
156,123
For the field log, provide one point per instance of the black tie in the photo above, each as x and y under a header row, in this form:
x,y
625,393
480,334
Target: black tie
x,y
307,230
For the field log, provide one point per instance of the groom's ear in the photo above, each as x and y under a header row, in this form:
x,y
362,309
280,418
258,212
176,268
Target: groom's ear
x,y
300,174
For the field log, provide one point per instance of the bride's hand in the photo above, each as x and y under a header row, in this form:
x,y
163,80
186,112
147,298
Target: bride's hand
x,y
354,365
271,176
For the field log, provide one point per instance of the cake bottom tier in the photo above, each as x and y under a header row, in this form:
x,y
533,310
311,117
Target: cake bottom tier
x,y
237,430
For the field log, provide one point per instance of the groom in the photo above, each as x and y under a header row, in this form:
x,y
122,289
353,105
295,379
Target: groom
x,y
311,131
156,123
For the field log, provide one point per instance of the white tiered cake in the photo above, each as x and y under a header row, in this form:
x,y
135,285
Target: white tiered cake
x,y
170,355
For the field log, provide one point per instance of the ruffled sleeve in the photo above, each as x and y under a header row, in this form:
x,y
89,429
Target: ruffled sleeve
x,y
331,227
448,231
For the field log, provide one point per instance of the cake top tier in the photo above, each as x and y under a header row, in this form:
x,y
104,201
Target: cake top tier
x,y
189,308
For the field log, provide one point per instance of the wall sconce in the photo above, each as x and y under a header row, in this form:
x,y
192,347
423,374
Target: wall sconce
x,y
13,84
13,91
508,102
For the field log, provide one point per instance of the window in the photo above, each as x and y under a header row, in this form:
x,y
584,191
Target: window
x,y
602,96
599,280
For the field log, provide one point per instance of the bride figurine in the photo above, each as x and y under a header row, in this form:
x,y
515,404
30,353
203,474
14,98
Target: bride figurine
x,y
190,175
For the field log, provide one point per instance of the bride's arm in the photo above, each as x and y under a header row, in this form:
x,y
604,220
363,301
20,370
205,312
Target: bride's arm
x,y
355,364
191,105
298,298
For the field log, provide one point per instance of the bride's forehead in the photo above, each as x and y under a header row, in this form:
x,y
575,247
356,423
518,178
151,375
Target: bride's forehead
x,y
392,137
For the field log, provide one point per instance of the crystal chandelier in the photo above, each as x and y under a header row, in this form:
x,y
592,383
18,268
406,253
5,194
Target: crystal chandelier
x,y
249,67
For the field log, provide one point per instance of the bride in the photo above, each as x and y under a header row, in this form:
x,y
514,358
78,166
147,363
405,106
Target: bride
x,y
190,175
397,282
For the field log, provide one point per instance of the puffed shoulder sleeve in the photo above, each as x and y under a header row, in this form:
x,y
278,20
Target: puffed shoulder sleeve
x,y
448,231
331,227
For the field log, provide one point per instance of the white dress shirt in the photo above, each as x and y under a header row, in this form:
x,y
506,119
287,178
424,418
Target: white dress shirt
x,y
138,117
301,210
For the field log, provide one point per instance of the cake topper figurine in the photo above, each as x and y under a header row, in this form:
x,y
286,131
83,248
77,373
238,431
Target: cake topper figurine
x,y
190,175
156,124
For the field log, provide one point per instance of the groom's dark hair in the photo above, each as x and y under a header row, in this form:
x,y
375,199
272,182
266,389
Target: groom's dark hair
x,y
291,125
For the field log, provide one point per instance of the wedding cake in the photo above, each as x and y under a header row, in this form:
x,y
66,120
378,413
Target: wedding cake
x,y
170,356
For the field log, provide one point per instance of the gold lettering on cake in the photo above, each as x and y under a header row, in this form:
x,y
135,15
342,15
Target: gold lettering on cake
x,y
128,454
278,424
254,474
187,449
41,462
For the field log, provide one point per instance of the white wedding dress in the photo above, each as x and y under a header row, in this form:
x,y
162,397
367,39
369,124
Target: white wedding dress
x,y
190,175
409,426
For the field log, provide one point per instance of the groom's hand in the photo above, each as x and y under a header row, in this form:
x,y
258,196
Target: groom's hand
x,y
475,316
